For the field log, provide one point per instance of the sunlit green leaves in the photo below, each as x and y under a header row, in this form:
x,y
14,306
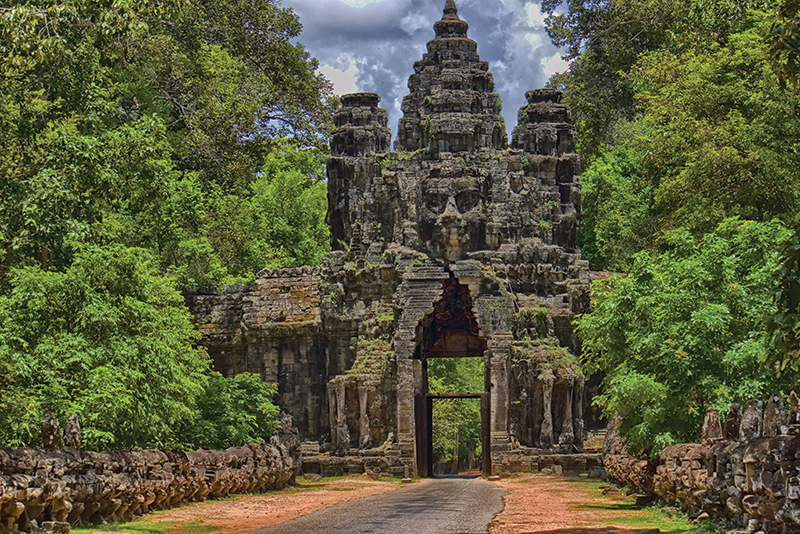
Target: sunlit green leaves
x,y
784,43
783,325
456,375
715,146
682,332
110,340
618,202
234,412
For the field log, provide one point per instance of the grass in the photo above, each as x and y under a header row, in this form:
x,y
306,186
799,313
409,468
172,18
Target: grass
x,y
151,528
641,518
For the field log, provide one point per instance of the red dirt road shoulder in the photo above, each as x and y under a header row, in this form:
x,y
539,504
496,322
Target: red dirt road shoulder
x,y
244,513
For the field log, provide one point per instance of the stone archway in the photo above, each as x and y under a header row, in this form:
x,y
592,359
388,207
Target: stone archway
x,y
443,313
449,331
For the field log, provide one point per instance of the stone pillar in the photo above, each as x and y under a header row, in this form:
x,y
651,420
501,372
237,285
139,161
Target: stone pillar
x,y
577,410
72,432
794,410
712,427
546,435
331,390
364,436
567,436
733,422
337,409
500,352
406,435
774,416
421,288
51,432
752,421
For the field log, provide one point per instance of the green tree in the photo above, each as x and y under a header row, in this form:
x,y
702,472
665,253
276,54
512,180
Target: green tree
x,y
605,39
714,145
291,195
683,332
618,202
710,135
112,113
783,326
234,412
109,339
784,41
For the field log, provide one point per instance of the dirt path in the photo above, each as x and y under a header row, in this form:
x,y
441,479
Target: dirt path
x,y
244,513
534,504
550,504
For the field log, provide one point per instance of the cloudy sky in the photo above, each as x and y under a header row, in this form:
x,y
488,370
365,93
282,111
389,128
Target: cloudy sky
x,y
371,45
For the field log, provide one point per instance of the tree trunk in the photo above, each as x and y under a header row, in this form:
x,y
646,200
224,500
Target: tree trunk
x,y
455,451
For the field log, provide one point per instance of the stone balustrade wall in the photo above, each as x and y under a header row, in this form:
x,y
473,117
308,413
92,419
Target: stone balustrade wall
x,y
56,488
747,473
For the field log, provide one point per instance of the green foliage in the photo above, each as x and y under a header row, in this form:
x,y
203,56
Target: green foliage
x,y
682,332
784,43
292,197
546,354
149,124
108,339
234,412
606,38
456,375
619,218
715,145
783,326
683,128
531,323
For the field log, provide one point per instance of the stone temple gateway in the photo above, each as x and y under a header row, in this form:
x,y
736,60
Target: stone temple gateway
x,y
452,245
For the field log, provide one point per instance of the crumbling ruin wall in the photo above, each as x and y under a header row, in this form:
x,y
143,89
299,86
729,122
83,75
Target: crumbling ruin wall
x,y
745,472
452,219
65,486
272,327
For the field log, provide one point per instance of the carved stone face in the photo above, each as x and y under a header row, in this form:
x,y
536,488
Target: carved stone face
x,y
451,216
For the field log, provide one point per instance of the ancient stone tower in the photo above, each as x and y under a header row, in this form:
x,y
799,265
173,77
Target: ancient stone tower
x,y
452,245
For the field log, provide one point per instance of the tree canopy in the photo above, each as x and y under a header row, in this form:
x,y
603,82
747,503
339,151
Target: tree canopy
x,y
112,112
147,146
682,331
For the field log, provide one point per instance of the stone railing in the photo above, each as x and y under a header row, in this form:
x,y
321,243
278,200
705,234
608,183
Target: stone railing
x,y
63,486
747,472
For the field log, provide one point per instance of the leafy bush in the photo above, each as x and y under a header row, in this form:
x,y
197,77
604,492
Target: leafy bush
x,y
109,339
683,332
234,412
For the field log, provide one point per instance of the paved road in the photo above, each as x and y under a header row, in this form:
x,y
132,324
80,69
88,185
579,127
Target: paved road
x,y
439,506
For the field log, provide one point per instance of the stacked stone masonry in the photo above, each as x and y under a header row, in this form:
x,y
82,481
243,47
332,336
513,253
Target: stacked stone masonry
x,y
746,472
64,486
444,247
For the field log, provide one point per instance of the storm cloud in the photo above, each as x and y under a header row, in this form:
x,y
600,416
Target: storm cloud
x,y
371,45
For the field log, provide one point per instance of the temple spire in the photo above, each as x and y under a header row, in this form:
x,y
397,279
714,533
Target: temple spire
x,y
450,11
451,25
